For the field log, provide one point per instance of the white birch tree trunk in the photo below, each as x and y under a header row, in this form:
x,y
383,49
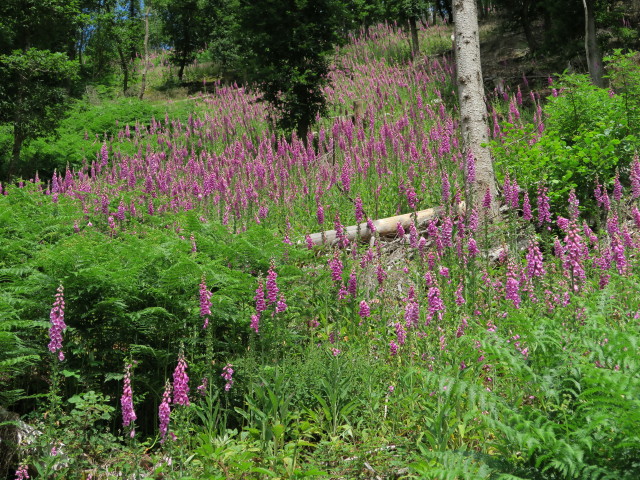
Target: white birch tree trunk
x,y
473,111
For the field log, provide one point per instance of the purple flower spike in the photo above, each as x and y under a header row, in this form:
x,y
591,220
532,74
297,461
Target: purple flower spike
x,y
352,284
513,285
261,305
544,208
57,324
335,265
281,304
164,411
320,214
535,267
255,321
635,177
364,309
486,202
22,473
181,383
205,302
227,374
272,285
126,401
359,209
526,208
202,388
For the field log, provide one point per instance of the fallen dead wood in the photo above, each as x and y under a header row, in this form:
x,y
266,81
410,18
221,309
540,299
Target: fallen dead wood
x,y
383,226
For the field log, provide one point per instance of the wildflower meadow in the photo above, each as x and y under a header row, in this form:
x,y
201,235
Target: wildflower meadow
x,y
166,311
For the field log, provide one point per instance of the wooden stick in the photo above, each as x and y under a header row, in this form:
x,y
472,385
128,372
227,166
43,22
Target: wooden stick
x,y
384,226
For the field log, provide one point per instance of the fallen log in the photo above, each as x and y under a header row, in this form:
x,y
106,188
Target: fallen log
x,y
383,226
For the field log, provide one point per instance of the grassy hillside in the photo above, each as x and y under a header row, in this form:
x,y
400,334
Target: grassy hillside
x,y
204,336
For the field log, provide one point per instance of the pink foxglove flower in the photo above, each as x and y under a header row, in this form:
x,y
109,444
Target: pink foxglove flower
x,y
205,302
512,289
335,265
635,177
261,305
617,188
544,208
126,401
411,313
352,284
471,168
472,247
202,388
364,311
320,214
486,201
194,247
535,267
164,411
22,473
460,300
435,302
281,304
181,383
255,322
574,204
401,334
227,374
57,324
359,209
526,208
272,285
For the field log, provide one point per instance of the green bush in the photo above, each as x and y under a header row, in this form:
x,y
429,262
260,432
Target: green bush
x,y
589,134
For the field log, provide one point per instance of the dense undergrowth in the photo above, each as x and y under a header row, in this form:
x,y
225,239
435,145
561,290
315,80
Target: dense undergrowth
x,y
205,338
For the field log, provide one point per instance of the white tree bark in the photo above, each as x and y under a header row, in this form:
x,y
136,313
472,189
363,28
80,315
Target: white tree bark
x,y
383,226
473,111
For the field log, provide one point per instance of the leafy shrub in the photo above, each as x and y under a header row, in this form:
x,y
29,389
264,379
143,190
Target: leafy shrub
x,y
589,134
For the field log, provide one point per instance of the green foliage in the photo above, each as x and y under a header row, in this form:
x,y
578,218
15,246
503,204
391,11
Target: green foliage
x,y
187,25
589,135
317,392
289,46
50,25
81,133
33,94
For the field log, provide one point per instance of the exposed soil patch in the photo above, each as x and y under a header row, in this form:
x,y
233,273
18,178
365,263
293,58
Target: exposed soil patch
x,y
507,62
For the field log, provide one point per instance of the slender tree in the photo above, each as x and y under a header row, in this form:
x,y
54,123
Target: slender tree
x,y
146,52
473,111
593,52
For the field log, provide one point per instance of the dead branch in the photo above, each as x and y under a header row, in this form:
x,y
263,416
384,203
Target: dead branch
x,y
383,226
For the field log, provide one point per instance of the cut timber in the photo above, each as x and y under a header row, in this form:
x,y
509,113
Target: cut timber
x,y
384,226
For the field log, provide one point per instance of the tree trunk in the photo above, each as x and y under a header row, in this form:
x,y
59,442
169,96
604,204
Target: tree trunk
x,y
125,69
594,55
146,53
183,63
132,16
383,226
18,140
473,111
526,26
449,6
415,45
483,9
